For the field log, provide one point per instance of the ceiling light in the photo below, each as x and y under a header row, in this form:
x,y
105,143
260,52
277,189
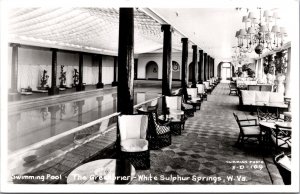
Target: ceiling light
x,y
260,34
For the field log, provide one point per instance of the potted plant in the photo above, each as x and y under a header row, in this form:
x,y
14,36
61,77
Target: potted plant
x,y
280,64
75,77
248,71
62,77
28,89
269,69
44,80
238,73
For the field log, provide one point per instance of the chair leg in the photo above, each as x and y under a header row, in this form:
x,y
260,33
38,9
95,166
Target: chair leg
x,y
238,140
242,140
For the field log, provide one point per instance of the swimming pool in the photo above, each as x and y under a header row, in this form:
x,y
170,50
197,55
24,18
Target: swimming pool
x,y
26,127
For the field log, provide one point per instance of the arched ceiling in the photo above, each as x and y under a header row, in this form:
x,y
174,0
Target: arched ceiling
x,y
96,29
83,28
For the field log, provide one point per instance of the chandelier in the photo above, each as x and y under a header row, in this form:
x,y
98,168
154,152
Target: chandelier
x,y
258,35
239,58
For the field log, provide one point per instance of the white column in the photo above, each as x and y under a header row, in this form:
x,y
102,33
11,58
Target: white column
x,y
256,68
260,69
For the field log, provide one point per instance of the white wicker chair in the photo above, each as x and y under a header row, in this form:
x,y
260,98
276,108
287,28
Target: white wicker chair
x,y
131,140
201,91
176,113
195,100
208,89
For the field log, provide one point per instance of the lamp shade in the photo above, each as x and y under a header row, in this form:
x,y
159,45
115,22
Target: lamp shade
x,y
275,15
267,13
243,32
283,30
237,33
251,15
254,21
263,28
251,30
245,19
275,29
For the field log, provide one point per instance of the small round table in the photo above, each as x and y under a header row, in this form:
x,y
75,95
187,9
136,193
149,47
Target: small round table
x,y
177,121
104,171
272,125
268,126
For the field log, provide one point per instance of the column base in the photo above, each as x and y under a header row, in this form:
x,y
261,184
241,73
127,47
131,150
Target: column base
x,y
114,83
80,87
14,96
200,82
80,103
100,85
53,90
53,109
99,99
193,85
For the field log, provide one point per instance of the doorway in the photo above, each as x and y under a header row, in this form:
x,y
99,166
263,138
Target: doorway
x,y
226,71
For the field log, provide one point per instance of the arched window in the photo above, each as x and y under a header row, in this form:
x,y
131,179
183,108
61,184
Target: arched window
x,y
175,70
151,70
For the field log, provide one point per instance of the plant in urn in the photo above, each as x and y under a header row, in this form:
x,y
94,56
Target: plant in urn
x,y
280,65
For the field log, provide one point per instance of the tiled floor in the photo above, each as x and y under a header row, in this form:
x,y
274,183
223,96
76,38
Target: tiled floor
x,y
206,150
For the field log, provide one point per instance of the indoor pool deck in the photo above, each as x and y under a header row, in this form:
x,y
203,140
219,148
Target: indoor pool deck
x,y
206,149
140,86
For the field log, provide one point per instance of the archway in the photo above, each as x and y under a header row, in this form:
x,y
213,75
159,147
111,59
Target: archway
x,y
175,71
225,70
151,70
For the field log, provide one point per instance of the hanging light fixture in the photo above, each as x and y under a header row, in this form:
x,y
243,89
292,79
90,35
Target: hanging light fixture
x,y
239,58
258,35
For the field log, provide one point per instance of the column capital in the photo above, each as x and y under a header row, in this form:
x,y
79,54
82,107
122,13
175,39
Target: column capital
x,y
194,47
184,40
53,109
166,27
54,49
201,52
15,45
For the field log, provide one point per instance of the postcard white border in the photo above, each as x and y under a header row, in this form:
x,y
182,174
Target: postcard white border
x,y
159,4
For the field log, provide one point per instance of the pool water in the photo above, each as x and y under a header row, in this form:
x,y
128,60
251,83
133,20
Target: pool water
x,y
36,124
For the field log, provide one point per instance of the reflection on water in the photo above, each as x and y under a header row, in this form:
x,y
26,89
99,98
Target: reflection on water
x,y
37,124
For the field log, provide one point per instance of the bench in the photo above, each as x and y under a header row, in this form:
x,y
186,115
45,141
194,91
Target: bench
x,y
262,98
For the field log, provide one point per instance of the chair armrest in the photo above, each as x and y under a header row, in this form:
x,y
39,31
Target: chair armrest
x,y
138,110
164,122
285,129
249,120
186,104
248,125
